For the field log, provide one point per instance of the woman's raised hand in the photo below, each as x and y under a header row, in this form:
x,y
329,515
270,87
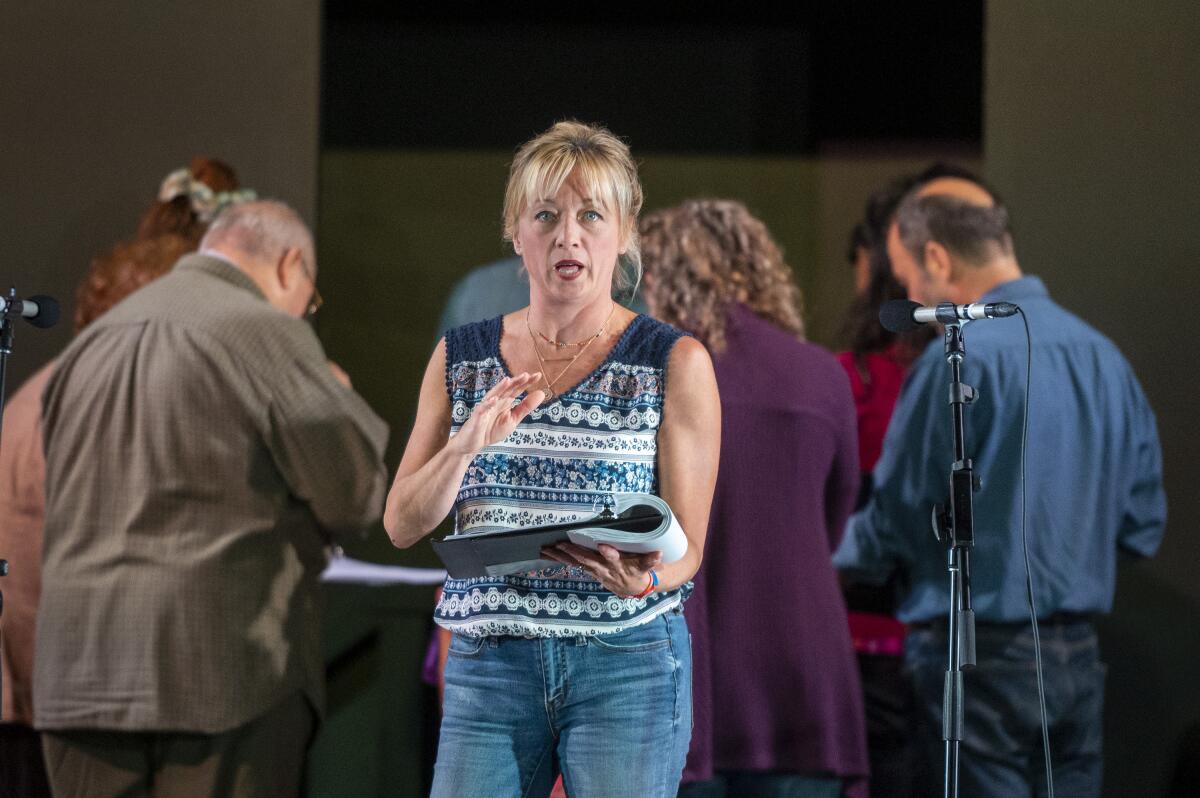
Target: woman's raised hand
x,y
495,417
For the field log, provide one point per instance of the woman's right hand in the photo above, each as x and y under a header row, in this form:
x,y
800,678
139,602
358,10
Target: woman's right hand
x,y
495,417
431,471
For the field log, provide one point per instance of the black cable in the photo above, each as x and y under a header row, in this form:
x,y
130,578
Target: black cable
x,y
1037,645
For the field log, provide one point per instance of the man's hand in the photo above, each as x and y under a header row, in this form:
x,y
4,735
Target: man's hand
x,y
339,374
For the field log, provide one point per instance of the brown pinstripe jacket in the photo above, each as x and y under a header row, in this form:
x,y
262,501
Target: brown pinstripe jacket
x,y
199,456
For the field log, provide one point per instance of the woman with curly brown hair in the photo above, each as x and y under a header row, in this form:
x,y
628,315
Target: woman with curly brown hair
x,y
772,654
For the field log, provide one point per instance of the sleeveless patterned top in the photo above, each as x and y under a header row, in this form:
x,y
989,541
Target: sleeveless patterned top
x,y
560,464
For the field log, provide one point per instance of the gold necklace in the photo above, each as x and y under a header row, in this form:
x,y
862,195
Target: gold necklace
x,y
550,383
565,344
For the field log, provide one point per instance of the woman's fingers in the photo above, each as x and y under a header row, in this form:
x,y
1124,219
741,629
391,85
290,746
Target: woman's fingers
x,y
496,389
558,554
587,558
527,386
528,405
481,416
521,381
643,562
616,574
550,554
495,416
511,387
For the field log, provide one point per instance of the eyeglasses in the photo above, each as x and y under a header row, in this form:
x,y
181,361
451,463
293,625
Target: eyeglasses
x,y
315,303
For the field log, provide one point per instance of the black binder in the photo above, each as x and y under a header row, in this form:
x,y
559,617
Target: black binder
x,y
642,523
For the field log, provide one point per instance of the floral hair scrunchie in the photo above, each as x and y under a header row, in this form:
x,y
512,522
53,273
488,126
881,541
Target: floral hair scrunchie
x,y
205,202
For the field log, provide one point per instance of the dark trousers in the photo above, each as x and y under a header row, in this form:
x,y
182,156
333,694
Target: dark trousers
x,y
891,725
1001,751
264,757
762,784
22,771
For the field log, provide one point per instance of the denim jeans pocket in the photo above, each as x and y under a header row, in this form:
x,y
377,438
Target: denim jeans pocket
x,y
463,646
650,636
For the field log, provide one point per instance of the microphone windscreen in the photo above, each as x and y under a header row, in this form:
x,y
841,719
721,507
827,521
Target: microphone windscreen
x,y
897,315
48,311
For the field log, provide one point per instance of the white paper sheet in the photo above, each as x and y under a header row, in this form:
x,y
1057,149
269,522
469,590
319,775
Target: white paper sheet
x,y
347,570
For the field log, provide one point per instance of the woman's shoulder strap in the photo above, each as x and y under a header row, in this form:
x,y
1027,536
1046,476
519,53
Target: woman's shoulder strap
x,y
650,343
473,342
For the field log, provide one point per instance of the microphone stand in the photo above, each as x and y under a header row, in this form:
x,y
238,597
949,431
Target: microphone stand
x,y
954,527
45,315
6,342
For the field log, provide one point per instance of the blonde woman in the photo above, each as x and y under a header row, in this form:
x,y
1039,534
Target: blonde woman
x,y
537,417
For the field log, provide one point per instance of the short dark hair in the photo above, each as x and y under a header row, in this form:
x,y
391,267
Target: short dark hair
x,y
974,233
861,237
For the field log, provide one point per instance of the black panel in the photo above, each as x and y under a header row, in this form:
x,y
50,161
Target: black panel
x,y
481,77
904,71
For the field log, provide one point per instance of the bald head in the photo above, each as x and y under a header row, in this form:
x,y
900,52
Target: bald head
x,y
958,188
270,243
950,241
957,214
261,230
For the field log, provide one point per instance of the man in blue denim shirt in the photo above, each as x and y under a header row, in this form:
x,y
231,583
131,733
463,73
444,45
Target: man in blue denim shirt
x,y
1093,487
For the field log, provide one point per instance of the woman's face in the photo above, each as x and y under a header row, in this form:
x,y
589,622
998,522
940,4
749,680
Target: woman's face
x,y
569,244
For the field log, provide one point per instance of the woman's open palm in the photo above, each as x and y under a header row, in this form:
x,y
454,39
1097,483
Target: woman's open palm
x,y
495,417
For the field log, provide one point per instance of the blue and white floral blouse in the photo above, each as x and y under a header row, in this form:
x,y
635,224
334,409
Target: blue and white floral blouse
x,y
562,463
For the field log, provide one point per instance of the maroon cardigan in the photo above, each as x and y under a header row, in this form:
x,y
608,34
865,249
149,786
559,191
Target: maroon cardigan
x,y
776,684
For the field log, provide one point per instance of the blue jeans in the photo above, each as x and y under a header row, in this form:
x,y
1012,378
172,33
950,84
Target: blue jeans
x,y
1001,751
612,712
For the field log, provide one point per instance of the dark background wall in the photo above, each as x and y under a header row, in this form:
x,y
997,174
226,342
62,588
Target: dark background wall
x,y
99,101
1092,119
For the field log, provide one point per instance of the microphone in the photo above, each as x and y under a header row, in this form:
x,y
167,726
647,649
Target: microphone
x,y
902,315
40,311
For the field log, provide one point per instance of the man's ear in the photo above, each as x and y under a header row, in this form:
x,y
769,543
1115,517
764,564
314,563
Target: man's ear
x,y
938,263
289,267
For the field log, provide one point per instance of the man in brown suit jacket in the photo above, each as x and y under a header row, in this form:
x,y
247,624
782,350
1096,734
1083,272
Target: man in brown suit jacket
x,y
200,456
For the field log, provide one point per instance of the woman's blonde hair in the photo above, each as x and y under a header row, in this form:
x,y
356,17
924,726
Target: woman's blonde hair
x,y
604,168
704,256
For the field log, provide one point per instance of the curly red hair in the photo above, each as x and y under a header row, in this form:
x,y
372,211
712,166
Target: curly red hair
x,y
122,270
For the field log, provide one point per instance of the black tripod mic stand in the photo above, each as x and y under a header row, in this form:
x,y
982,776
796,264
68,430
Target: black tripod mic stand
x,y
954,526
6,340
41,312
